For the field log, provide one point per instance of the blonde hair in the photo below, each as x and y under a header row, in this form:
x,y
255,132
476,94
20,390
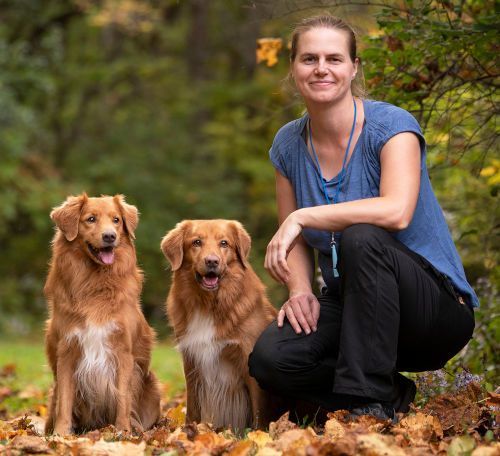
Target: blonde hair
x,y
328,21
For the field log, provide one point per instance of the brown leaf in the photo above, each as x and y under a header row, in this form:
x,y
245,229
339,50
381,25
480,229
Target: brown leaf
x,y
5,391
457,410
419,429
374,444
103,448
334,429
8,370
216,443
276,428
295,441
30,444
492,399
241,449
345,446
492,450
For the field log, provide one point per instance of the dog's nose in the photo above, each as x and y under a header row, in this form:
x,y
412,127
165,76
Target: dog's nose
x,y
212,261
109,236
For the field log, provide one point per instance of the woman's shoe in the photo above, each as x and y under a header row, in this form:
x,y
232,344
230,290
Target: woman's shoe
x,y
374,409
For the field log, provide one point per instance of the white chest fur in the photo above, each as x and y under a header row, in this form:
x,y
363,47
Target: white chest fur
x,y
220,391
96,370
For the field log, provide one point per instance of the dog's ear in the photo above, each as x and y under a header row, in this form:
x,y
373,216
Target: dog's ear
x,y
130,215
242,242
67,215
173,245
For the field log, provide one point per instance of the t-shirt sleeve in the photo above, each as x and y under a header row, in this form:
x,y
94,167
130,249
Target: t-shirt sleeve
x,y
398,120
277,160
278,154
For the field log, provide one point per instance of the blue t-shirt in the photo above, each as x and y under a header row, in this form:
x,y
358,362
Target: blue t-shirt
x,y
427,234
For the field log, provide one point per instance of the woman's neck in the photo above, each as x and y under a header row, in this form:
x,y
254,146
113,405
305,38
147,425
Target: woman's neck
x,y
331,121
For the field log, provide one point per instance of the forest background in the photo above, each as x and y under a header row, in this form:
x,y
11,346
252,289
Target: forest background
x,y
164,102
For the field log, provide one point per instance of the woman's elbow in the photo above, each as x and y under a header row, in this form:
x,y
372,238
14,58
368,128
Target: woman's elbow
x,y
400,219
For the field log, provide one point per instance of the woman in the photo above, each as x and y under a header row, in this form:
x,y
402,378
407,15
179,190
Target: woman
x,y
351,183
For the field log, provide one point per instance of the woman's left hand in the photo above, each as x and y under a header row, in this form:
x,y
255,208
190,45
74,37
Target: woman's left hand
x,y
279,247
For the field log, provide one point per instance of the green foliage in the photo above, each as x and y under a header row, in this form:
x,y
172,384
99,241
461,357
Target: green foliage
x,y
165,104
439,60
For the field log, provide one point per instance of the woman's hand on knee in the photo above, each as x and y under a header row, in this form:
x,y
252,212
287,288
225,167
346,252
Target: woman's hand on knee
x,y
302,311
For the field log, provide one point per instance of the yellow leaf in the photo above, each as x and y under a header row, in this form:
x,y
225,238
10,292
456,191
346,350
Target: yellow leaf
x,y
260,438
176,415
267,49
488,171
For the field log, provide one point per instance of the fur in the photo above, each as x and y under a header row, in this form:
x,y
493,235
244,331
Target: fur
x,y
218,307
98,342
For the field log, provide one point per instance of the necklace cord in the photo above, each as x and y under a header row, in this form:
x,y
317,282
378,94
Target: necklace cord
x,y
334,249
345,158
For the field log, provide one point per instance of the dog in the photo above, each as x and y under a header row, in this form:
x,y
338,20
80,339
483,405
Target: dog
x,y
98,342
218,307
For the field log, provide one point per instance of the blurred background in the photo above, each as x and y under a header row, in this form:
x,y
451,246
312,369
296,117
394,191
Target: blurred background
x,y
164,101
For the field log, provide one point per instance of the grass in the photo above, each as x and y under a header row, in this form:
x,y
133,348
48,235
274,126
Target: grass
x,y
24,369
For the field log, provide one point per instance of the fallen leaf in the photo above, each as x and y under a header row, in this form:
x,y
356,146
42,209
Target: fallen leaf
x,y
419,429
29,444
177,416
103,448
260,438
276,428
268,451
492,450
345,446
5,391
461,446
295,441
8,370
374,444
241,449
334,429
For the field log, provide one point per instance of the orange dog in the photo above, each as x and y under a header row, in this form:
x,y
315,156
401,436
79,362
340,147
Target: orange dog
x,y
98,341
218,307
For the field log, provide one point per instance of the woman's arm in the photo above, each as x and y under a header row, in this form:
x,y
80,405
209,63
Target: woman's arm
x,y
392,210
302,308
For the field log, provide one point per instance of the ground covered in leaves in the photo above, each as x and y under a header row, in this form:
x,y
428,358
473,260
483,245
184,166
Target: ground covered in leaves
x,y
460,423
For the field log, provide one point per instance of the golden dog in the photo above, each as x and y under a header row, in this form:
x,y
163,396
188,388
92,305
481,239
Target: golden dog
x,y
218,307
98,342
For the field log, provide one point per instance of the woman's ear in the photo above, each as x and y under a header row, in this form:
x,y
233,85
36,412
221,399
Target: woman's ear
x,y
130,215
67,215
172,245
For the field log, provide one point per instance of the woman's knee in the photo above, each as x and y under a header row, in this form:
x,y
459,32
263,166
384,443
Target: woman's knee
x,y
356,237
276,361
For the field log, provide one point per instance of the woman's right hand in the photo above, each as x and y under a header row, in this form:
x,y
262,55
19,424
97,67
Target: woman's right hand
x,y
302,311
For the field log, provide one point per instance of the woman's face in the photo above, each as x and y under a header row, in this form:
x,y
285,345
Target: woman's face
x,y
322,69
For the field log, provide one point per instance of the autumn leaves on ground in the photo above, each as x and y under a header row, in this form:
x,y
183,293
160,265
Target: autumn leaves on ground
x,y
459,423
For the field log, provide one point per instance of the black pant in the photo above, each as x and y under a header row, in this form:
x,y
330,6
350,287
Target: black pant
x,y
394,312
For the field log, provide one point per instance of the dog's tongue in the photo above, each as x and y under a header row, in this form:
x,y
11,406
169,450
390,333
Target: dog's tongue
x,y
107,256
210,281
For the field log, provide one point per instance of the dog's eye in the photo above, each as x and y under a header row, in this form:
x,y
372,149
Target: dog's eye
x,y
91,219
197,242
224,244
116,220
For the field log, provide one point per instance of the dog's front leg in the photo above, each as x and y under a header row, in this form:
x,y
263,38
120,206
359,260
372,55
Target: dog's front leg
x,y
65,395
193,412
260,415
125,368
